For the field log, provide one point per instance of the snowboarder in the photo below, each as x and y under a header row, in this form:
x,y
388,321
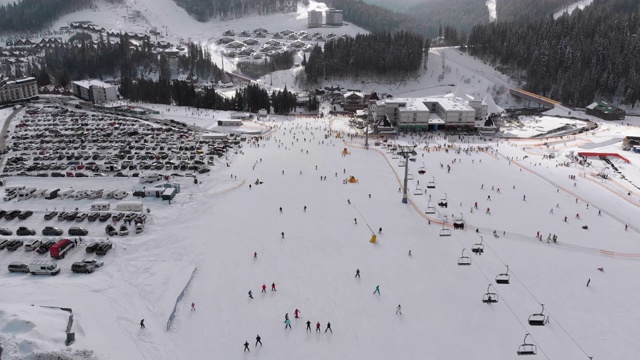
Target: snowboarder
x,y
377,290
328,327
296,314
142,324
258,340
308,325
357,273
264,288
399,310
250,294
246,346
318,327
287,324
193,306
273,286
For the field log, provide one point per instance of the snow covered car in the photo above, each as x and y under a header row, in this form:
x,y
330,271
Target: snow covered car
x,y
93,262
110,230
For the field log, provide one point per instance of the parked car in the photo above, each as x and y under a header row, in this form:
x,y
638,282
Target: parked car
x,y
50,215
93,216
5,232
130,216
81,216
62,215
25,231
93,246
44,247
15,245
52,231
118,216
43,267
17,266
71,216
104,217
104,248
110,230
93,262
124,230
78,231
2,213
81,267
12,215
32,245
60,249
4,243
25,215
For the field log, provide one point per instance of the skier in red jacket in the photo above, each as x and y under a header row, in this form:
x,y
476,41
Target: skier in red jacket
x,y
295,313
264,288
318,327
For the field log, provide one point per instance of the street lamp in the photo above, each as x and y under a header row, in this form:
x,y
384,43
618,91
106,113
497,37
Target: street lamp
x,y
406,151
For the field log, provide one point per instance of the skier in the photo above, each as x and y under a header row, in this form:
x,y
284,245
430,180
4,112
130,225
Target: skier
x,y
380,231
524,197
328,327
282,234
255,255
549,238
355,221
488,211
565,219
273,286
578,216
287,324
626,227
551,211
489,198
318,327
409,252
305,208
142,324
399,310
377,290
281,210
555,238
588,282
258,340
286,316
475,205
308,325
348,201
296,314
357,273
264,288
193,306
250,294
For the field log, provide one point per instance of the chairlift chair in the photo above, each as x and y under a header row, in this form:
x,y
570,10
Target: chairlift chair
x,y
432,184
539,319
490,297
459,223
503,278
527,349
394,156
402,163
422,170
478,248
409,176
443,202
444,231
464,260
418,191
430,209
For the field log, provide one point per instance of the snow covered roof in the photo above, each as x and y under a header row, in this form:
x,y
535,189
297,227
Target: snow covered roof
x,y
92,82
413,105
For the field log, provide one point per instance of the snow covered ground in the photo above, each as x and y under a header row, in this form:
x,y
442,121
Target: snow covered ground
x,y
216,226
581,4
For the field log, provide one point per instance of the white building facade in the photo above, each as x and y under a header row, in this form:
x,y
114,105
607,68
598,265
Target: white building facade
x,y
95,90
314,18
334,17
19,89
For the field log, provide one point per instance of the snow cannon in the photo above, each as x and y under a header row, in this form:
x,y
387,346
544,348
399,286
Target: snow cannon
x,y
345,152
374,237
352,179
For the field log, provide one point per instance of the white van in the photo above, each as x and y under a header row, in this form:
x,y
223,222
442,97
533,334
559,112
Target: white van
x,y
65,193
14,187
150,178
120,194
108,194
27,193
10,196
100,206
80,195
129,206
43,267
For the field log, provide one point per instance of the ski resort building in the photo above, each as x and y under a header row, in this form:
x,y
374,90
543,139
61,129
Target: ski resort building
x,y
334,17
315,18
605,111
429,113
17,90
95,91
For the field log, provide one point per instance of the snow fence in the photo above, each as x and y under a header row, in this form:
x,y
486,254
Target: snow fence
x,y
172,316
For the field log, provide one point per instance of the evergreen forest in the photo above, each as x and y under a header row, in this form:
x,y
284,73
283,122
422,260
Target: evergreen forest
x,y
204,10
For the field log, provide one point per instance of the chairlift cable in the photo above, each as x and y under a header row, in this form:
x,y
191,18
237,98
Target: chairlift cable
x,y
365,220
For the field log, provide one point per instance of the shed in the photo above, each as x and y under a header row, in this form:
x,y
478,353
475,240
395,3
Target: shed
x,y
168,194
131,205
100,206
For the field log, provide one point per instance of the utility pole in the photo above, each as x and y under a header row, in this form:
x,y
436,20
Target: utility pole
x,y
406,152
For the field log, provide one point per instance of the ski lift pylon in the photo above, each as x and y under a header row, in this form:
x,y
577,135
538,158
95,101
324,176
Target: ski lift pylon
x,y
490,297
539,319
527,349
503,278
464,260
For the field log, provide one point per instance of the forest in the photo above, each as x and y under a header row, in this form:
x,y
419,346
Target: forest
x,y
590,55
257,69
523,11
378,54
34,15
204,10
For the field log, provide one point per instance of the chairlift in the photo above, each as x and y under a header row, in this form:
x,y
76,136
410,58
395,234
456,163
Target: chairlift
x,y
432,184
458,223
527,349
479,247
443,202
422,170
430,209
444,231
402,163
503,278
464,260
539,319
418,191
490,297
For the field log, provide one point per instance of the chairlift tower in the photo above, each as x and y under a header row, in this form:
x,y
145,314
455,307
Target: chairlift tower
x,y
406,152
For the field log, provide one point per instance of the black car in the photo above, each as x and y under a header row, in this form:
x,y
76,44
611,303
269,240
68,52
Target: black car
x,y
104,217
104,248
25,215
71,216
52,231
50,215
57,174
25,231
14,245
92,247
80,267
93,216
78,231
12,215
2,213
4,243
110,230
81,217
118,216
62,215
44,248
5,232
